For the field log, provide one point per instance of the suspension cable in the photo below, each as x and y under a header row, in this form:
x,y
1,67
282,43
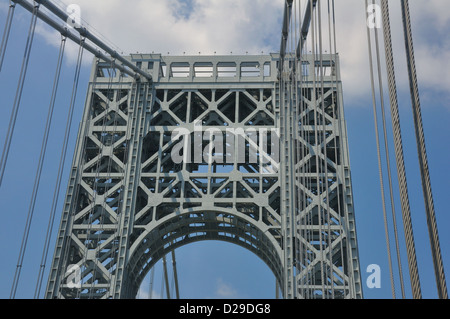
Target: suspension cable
x,y
103,141
18,96
299,137
175,275
388,162
310,185
119,99
6,32
404,200
152,278
324,141
423,161
336,116
310,279
115,244
294,147
38,173
8,144
299,254
379,154
166,277
62,160
314,22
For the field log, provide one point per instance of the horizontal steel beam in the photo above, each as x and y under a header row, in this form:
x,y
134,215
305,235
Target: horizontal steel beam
x,y
126,67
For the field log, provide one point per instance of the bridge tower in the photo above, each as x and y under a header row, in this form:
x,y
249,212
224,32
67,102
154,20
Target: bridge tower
x,y
213,148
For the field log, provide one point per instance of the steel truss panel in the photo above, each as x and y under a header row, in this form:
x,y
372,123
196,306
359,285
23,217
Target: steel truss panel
x,y
200,154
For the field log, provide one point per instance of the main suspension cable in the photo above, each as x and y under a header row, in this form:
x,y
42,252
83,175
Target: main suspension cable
x,y
423,161
398,144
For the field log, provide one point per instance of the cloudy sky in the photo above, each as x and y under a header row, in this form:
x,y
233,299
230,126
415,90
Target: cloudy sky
x,y
206,27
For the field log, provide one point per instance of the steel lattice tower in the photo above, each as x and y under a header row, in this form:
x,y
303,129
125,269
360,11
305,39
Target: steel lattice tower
x,y
256,170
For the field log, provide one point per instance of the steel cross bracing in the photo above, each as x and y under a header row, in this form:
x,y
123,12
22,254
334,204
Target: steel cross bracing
x,y
129,202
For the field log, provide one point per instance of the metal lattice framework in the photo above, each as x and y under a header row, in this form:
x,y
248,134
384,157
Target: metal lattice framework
x,y
130,201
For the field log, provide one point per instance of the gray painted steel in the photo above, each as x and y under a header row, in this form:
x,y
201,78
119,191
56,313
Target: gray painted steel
x,y
129,202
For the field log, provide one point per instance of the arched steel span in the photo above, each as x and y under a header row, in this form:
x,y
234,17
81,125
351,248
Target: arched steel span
x,y
182,228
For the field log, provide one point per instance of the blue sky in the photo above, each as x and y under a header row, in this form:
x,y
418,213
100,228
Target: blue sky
x,y
211,269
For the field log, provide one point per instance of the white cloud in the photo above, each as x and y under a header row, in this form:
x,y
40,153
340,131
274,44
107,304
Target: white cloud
x,y
253,26
225,290
430,23
160,26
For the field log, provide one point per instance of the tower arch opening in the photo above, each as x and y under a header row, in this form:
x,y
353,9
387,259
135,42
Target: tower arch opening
x,y
210,269
181,229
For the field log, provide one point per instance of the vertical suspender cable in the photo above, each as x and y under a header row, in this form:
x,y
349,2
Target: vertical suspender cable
x,y
166,277
401,174
423,161
319,187
114,244
41,160
6,32
8,144
388,162
303,221
110,96
324,141
15,110
294,147
299,122
379,157
152,278
316,161
161,293
175,275
309,135
336,115
68,128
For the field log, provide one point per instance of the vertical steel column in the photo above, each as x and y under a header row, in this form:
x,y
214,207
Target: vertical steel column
x,y
135,133
287,179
